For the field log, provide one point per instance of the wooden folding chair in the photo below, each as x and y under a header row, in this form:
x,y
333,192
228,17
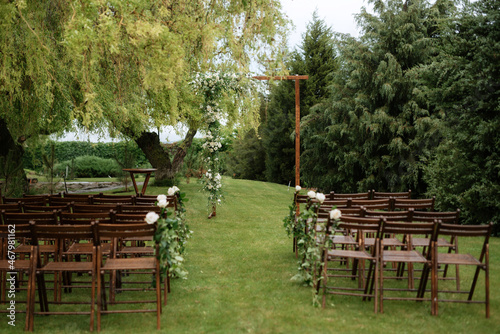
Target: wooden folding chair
x,y
409,256
481,262
76,250
367,284
60,264
134,247
115,263
11,263
451,244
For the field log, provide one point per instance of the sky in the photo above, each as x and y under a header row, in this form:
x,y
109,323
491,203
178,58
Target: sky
x,y
337,14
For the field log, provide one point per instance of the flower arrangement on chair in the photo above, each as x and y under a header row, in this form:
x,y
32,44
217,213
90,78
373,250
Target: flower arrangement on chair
x,y
172,233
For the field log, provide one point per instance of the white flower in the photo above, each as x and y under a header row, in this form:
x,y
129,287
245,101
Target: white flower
x,y
176,189
171,191
335,214
311,194
320,197
163,203
161,198
151,217
298,188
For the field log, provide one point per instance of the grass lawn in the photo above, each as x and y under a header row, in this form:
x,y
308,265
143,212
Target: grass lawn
x,y
240,264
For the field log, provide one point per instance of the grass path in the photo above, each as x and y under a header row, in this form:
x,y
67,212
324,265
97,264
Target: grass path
x,y
240,265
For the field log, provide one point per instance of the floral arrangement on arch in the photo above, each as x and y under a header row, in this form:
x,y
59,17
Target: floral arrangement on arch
x,y
172,233
212,86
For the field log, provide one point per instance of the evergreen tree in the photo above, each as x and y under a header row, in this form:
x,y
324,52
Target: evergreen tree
x,y
315,58
463,84
247,157
378,132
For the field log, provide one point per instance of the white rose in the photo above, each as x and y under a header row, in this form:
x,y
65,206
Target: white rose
x,y
335,214
161,198
163,203
176,189
298,188
151,217
171,191
320,197
311,194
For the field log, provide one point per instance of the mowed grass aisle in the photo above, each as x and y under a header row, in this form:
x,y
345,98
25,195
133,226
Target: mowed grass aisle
x,y
240,265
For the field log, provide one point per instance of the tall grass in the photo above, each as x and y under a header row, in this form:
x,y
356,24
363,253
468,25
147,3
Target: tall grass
x,y
240,265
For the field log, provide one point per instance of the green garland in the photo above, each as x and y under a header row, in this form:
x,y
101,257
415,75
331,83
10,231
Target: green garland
x,y
172,233
310,246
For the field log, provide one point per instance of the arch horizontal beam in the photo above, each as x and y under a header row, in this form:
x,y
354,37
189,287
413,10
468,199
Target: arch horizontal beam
x,y
286,77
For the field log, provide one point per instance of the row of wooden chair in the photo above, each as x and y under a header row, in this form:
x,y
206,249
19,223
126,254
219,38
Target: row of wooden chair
x,y
390,204
41,200
381,251
99,263
370,194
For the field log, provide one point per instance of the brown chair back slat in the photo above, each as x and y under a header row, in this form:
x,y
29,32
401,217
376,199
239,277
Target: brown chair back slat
x,y
334,196
401,216
70,200
415,204
85,218
450,217
381,195
373,204
95,207
48,218
46,208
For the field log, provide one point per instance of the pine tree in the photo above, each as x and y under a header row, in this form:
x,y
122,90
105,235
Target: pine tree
x,y
315,58
377,134
463,84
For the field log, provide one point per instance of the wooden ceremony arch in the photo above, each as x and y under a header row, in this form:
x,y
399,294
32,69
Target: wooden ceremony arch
x,y
297,79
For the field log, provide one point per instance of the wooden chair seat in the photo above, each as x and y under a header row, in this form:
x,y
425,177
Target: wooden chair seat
x,y
135,263
68,266
404,256
347,253
5,265
423,242
86,248
452,258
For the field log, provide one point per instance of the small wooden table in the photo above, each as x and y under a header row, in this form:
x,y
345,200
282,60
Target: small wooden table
x,y
146,171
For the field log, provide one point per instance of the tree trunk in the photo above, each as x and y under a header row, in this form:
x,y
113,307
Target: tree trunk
x,y
166,165
11,164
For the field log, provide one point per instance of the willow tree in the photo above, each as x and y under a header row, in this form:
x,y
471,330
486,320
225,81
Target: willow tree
x,y
35,98
134,60
125,66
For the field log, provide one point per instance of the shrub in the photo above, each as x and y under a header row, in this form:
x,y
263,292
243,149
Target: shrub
x,y
89,166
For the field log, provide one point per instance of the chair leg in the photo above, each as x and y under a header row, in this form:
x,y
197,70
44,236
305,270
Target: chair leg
x,y
324,281
158,297
381,287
